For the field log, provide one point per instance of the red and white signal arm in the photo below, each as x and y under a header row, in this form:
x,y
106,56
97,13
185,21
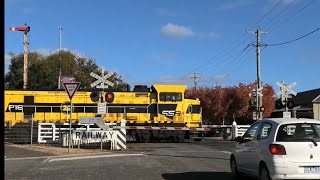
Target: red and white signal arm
x,y
24,28
71,88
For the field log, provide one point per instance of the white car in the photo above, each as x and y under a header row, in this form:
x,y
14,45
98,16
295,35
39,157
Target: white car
x,y
278,148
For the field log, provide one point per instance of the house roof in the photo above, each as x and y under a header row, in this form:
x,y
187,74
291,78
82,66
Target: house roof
x,y
317,99
305,99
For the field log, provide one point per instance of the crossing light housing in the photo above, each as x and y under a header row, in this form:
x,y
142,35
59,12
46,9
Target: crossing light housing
x,y
290,104
252,106
279,105
109,97
95,96
262,108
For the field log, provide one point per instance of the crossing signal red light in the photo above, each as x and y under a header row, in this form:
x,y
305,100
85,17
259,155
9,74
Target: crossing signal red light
x,y
109,97
95,96
262,109
279,105
290,104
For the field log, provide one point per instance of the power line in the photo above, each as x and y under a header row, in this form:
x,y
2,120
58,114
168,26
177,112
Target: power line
x,y
237,67
226,61
236,43
225,66
293,15
278,44
278,15
224,70
222,53
266,14
237,60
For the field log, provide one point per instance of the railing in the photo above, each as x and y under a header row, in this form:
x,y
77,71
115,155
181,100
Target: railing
x,y
49,133
239,130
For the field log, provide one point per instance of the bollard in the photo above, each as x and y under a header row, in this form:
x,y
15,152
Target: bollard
x,y
31,131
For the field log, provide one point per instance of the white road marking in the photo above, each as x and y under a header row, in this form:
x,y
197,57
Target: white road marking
x,y
46,160
212,151
29,158
47,157
227,152
91,157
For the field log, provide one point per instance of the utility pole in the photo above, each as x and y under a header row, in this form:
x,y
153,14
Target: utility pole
x,y
259,83
195,79
60,38
24,29
60,46
258,71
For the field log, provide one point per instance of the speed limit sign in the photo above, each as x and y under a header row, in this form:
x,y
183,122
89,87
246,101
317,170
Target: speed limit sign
x,y
65,107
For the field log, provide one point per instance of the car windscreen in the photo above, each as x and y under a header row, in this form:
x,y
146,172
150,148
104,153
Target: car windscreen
x,y
299,132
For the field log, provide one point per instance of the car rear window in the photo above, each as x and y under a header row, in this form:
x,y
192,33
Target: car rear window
x,y
298,132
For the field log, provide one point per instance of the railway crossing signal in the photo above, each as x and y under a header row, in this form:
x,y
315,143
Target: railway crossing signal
x,y
102,80
290,104
262,109
285,93
256,93
25,29
109,97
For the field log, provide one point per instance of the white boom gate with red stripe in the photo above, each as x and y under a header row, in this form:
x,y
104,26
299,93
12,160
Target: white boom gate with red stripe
x,y
164,128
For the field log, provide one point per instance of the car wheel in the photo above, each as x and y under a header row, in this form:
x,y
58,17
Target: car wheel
x,y
264,173
234,169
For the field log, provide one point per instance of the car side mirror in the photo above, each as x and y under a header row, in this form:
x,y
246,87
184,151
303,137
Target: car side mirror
x,y
238,139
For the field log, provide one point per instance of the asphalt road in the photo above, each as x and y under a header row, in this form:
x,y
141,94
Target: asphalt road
x,y
208,159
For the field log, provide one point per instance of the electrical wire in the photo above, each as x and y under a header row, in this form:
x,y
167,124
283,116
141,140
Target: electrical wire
x,y
227,67
278,15
266,14
279,44
292,15
226,51
224,62
235,68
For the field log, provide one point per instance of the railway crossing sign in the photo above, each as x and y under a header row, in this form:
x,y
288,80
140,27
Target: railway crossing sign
x,y
286,91
102,80
256,92
71,88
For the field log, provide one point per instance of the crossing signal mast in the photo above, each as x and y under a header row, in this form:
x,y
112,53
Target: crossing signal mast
x,y
254,105
25,29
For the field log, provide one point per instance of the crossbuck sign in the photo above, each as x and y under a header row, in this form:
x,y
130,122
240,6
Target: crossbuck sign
x,y
286,91
102,80
255,92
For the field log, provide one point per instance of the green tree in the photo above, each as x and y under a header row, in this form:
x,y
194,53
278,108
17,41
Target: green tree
x,y
14,78
43,72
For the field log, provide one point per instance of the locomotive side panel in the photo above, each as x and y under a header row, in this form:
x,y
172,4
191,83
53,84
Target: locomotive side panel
x,y
163,106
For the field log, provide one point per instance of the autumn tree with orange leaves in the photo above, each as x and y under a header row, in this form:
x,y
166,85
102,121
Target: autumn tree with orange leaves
x,y
220,104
